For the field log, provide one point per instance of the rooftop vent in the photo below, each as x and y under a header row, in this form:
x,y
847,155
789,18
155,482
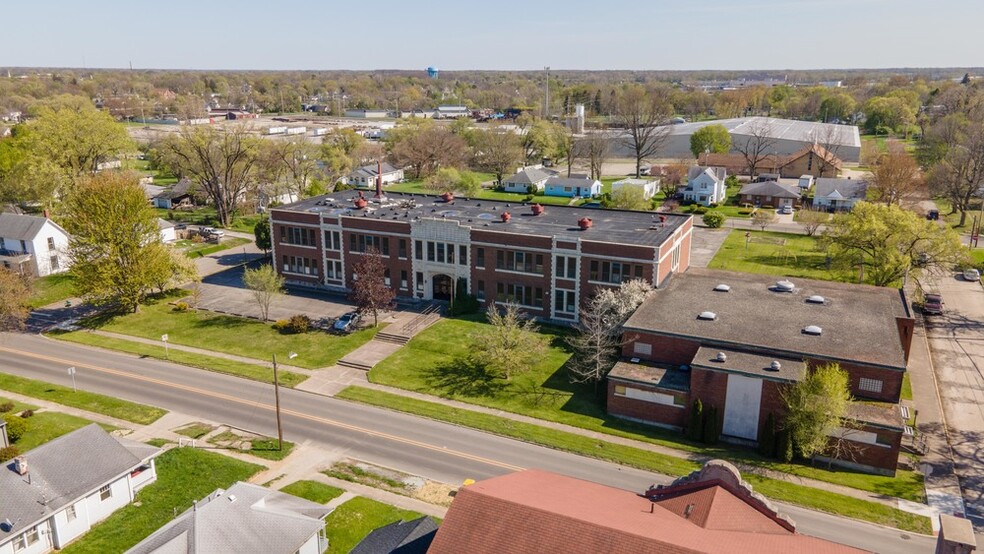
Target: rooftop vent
x,y
709,316
812,330
785,286
722,288
20,465
816,299
721,357
775,365
232,498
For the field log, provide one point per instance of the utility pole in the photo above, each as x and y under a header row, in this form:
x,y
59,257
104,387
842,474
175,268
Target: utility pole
x,y
276,397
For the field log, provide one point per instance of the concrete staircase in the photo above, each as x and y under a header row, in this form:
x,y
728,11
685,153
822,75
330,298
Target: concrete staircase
x,y
391,339
355,364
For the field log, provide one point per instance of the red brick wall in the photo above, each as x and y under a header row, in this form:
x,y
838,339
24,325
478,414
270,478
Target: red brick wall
x,y
647,411
671,350
710,387
884,457
905,325
891,380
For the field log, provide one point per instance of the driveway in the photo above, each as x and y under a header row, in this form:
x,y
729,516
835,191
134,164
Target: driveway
x,y
957,343
705,244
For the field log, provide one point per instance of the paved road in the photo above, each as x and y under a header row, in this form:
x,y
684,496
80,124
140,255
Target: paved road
x,y
957,343
419,446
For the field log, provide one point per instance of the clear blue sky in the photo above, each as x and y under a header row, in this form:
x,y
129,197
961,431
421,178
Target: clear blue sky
x,y
494,34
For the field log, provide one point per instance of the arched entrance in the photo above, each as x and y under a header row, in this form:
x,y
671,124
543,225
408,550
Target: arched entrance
x,y
442,287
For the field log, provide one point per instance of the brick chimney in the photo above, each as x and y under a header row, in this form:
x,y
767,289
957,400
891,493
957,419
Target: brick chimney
x,y
20,465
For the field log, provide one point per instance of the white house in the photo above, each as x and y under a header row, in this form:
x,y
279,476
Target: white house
x,y
365,176
524,178
451,112
649,188
244,518
572,186
32,245
167,230
706,185
839,194
56,492
806,182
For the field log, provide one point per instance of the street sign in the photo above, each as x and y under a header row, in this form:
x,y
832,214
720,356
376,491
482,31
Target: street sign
x,y
164,340
71,371
164,337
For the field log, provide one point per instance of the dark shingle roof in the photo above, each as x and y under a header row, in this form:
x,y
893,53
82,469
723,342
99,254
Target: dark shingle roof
x,y
20,227
770,188
62,471
401,537
847,188
181,188
858,322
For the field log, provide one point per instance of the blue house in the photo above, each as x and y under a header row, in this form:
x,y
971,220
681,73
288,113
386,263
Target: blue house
x,y
572,186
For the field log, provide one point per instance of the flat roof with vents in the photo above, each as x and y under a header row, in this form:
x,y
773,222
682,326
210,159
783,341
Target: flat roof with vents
x,y
858,322
758,365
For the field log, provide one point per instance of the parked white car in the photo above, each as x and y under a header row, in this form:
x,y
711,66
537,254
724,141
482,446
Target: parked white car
x,y
971,275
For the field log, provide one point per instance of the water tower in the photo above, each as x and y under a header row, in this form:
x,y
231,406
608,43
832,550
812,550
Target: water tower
x,y
432,72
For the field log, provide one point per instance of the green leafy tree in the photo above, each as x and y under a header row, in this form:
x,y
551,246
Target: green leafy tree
x,y
115,239
840,106
695,431
16,426
714,220
711,138
167,267
265,285
815,408
712,425
888,113
449,179
15,290
369,291
767,442
630,198
509,344
891,243
263,235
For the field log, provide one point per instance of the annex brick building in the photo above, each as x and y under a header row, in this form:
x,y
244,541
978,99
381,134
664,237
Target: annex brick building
x,y
546,259
733,340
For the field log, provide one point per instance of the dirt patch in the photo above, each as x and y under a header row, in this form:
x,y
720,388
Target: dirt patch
x,y
355,471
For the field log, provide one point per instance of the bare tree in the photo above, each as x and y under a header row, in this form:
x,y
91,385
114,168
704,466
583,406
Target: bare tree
x,y
369,291
291,162
427,148
827,159
510,344
896,176
594,148
811,219
959,174
764,218
15,290
497,151
755,146
642,114
222,163
672,177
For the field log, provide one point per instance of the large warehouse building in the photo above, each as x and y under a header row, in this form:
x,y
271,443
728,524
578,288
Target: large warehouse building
x,y
789,135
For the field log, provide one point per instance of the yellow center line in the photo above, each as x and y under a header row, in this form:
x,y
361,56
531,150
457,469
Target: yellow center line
x,y
268,407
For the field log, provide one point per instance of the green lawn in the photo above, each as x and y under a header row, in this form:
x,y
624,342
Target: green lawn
x,y
906,387
765,253
353,520
195,430
183,476
51,289
314,491
90,401
636,457
263,447
256,372
246,223
44,425
200,249
233,335
434,362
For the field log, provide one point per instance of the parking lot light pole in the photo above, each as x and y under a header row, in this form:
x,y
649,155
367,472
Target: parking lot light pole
x,y
276,398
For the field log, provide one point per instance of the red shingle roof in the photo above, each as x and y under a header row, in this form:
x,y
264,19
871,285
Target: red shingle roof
x,y
541,512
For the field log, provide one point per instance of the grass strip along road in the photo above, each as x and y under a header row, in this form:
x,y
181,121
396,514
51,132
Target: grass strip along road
x,y
92,402
636,457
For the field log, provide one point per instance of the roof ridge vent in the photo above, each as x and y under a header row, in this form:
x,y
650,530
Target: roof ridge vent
x,y
813,330
723,288
816,299
709,316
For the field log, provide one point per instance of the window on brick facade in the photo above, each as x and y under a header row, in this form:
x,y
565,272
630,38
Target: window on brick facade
x,y
419,281
479,257
403,280
675,263
566,267
386,277
333,240
523,295
642,349
613,272
870,385
620,390
462,254
480,290
297,235
362,243
403,249
335,270
524,262
564,301
881,438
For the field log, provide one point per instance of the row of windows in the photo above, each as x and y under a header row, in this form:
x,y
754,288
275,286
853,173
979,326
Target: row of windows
x,y
297,264
441,252
363,243
614,272
333,240
300,236
519,261
523,295
565,267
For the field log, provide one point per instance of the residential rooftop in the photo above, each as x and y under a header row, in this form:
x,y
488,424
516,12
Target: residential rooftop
x,y
610,226
856,323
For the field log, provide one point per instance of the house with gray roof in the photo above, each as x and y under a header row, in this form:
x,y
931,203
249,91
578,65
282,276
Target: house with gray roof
x,y
399,537
244,518
365,176
770,193
33,245
524,178
706,185
55,493
181,195
839,194
572,186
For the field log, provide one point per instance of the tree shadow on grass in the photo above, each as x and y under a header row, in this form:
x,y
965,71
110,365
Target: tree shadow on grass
x,y
464,377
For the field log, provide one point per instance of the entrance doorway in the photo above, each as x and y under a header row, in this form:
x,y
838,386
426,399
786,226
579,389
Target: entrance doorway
x,y
442,287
